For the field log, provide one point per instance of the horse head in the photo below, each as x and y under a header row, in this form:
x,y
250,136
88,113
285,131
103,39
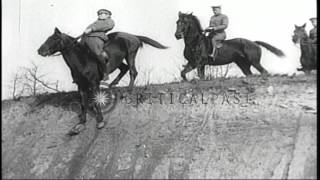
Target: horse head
x,y
187,23
56,42
299,33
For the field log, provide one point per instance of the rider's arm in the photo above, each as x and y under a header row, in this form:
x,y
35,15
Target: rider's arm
x,y
314,40
104,26
100,26
313,36
224,24
210,25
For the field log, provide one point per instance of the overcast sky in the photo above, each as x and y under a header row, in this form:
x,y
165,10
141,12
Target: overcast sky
x,y
27,24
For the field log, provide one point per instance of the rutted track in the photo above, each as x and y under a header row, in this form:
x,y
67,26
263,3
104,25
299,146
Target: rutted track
x,y
269,133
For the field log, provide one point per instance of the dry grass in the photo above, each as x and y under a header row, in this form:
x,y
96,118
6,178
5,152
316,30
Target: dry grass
x,y
259,135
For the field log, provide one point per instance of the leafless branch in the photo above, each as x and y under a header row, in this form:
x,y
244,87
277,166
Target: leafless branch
x,y
15,87
29,81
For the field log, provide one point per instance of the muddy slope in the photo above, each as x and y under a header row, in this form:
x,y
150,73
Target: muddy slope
x,y
232,128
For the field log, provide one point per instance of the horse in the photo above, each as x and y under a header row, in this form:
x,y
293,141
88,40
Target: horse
x,y
308,58
85,69
243,52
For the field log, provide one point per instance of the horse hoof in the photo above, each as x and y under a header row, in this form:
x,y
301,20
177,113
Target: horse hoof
x,y
194,81
100,125
76,129
184,80
130,89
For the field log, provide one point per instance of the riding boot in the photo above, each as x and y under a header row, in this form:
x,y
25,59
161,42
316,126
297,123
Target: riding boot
x,y
106,74
213,52
212,55
104,55
102,62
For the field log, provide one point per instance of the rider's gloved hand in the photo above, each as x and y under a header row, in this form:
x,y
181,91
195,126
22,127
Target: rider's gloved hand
x,y
209,29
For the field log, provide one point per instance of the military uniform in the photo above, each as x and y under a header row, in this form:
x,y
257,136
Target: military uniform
x,y
220,23
97,37
313,35
313,38
313,32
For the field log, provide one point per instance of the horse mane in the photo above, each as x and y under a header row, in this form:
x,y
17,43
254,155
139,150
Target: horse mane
x,y
197,22
84,56
304,37
81,49
78,46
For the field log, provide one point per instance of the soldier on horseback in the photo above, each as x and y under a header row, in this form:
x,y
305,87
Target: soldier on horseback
x,y
313,32
95,37
218,23
313,38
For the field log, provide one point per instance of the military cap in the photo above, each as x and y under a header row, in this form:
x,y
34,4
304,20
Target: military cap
x,y
213,7
313,19
101,11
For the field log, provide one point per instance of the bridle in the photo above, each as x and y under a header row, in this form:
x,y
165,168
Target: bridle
x,y
303,41
186,32
71,45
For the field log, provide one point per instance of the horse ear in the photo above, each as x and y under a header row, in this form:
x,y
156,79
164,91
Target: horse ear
x,y
191,13
57,31
304,25
180,13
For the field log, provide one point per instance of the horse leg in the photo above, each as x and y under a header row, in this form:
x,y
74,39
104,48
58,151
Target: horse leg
x,y
201,72
84,105
307,71
254,57
303,65
97,109
84,108
133,71
123,70
244,66
306,63
258,66
187,68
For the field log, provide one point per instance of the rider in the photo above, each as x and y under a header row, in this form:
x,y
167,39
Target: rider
x,y
95,37
313,32
218,23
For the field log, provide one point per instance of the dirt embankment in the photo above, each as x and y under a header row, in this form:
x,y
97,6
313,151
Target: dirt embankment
x,y
232,128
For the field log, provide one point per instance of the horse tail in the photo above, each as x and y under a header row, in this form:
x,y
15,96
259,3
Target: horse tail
x,y
151,42
271,48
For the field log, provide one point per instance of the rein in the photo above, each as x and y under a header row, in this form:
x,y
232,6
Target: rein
x,y
69,46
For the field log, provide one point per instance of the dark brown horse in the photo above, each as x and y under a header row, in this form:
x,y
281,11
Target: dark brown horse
x,y
243,52
308,58
85,70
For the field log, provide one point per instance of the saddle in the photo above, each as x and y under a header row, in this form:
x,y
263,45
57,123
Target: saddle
x,y
219,44
106,43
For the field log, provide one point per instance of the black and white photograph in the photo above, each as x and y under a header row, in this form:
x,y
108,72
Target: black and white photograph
x,y
159,89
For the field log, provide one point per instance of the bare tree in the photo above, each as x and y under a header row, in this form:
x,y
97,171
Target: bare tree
x,y
216,72
35,82
226,70
17,88
29,81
